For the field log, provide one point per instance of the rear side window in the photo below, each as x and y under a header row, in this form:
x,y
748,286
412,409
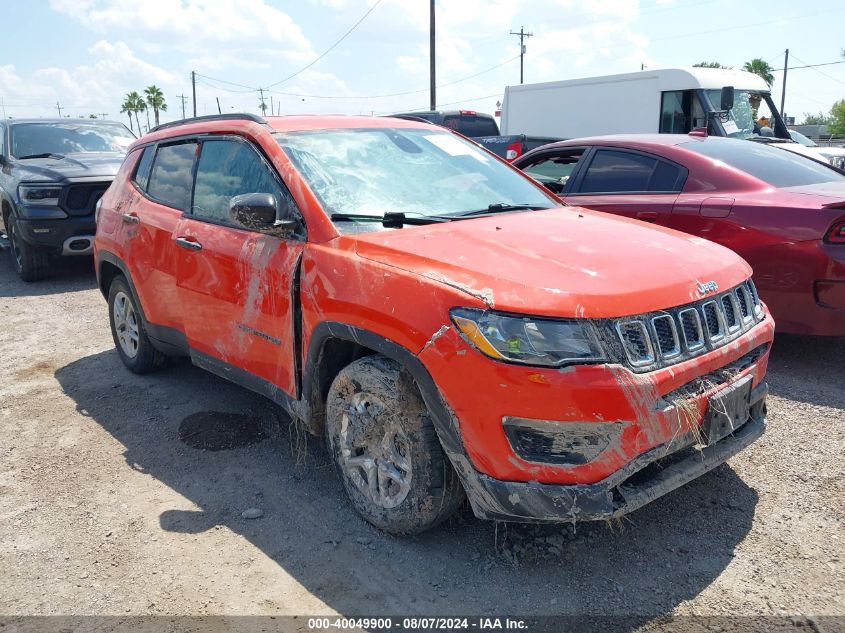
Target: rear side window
x,y
172,175
613,171
471,125
142,170
777,167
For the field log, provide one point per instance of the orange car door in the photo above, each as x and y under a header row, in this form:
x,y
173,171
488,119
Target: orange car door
x,y
236,285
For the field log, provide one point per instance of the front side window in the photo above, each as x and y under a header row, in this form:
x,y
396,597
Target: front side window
x,y
31,140
553,172
373,171
172,175
776,167
229,168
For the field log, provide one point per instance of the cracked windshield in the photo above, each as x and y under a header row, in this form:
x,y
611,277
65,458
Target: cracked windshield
x,y
751,115
423,172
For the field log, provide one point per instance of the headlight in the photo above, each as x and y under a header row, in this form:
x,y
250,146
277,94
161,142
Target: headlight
x,y
40,194
529,340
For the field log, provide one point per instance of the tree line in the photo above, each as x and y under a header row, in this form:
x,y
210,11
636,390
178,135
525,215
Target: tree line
x,y
134,102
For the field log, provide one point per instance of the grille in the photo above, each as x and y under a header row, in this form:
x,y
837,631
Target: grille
x,y
661,339
80,199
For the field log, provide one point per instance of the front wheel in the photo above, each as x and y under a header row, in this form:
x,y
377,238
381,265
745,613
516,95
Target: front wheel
x,y
386,450
31,263
127,328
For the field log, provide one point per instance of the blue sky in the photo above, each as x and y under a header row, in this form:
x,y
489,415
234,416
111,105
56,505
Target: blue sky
x,y
87,54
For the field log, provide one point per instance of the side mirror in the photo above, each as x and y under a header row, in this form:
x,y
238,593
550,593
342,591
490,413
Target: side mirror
x,y
727,98
258,212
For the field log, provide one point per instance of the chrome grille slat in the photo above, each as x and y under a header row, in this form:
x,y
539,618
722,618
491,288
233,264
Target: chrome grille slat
x,y
691,327
668,343
670,336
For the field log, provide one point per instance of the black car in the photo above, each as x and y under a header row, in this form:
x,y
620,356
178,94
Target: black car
x,y
52,173
467,122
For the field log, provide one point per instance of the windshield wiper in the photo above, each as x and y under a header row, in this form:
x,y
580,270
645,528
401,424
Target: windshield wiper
x,y
501,207
45,155
390,219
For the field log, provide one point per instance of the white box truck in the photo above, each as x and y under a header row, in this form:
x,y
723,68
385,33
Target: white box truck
x,y
671,100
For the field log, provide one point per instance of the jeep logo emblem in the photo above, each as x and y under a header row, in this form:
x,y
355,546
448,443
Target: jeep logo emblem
x,y
705,289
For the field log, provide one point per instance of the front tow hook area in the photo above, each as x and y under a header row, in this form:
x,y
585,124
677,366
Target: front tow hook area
x,y
78,245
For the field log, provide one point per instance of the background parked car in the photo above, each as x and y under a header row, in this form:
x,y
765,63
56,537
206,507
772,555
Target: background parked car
x,y
53,172
834,155
481,128
784,213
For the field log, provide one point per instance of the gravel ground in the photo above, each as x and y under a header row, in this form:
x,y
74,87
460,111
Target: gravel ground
x,y
124,495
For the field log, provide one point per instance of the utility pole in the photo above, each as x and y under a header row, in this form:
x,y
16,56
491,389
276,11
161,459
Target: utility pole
x,y
431,64
522,37
219,111
262,105
194,90
3,105
182,98
783,92
103,115
59,108
271,105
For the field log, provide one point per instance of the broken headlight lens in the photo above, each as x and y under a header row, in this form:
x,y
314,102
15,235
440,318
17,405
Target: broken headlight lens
x,y
529,340
39,194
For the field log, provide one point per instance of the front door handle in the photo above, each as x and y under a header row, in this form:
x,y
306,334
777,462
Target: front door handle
x,y
647,216
188,242
130,218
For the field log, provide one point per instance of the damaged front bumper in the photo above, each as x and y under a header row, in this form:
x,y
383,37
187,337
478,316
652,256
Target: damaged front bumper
x,y
650,476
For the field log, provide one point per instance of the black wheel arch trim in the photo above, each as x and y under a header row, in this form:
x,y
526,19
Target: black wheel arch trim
x,y
444,421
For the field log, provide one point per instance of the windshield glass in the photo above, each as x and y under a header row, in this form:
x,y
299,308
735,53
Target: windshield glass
x,y
373,171
800,138
30,139
752,114
775,166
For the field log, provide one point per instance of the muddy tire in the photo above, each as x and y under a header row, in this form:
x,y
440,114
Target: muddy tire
x,y
31,263
127,329
386,451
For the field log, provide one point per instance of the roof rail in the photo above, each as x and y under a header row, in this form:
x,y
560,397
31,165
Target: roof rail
x,y
237,116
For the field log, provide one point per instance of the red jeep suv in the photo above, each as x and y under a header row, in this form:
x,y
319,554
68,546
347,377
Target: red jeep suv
x,y
438,316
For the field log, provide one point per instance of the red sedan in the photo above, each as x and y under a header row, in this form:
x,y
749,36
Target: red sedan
x,y
784,213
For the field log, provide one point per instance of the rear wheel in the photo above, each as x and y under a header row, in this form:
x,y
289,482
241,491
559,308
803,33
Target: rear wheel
x,y
386,450
31,263
127,328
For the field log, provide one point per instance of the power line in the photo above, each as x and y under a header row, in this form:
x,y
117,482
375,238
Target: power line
x,y
330,48
814,67
397,94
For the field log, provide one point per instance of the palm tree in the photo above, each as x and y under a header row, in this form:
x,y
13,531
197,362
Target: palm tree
x,y
155,99
127,108
137,105
760,67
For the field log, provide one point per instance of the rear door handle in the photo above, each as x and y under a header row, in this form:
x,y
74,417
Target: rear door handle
x,y
188,242
647,216
130,218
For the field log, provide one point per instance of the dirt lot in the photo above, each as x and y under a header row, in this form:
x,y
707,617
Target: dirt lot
x,y
113,500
